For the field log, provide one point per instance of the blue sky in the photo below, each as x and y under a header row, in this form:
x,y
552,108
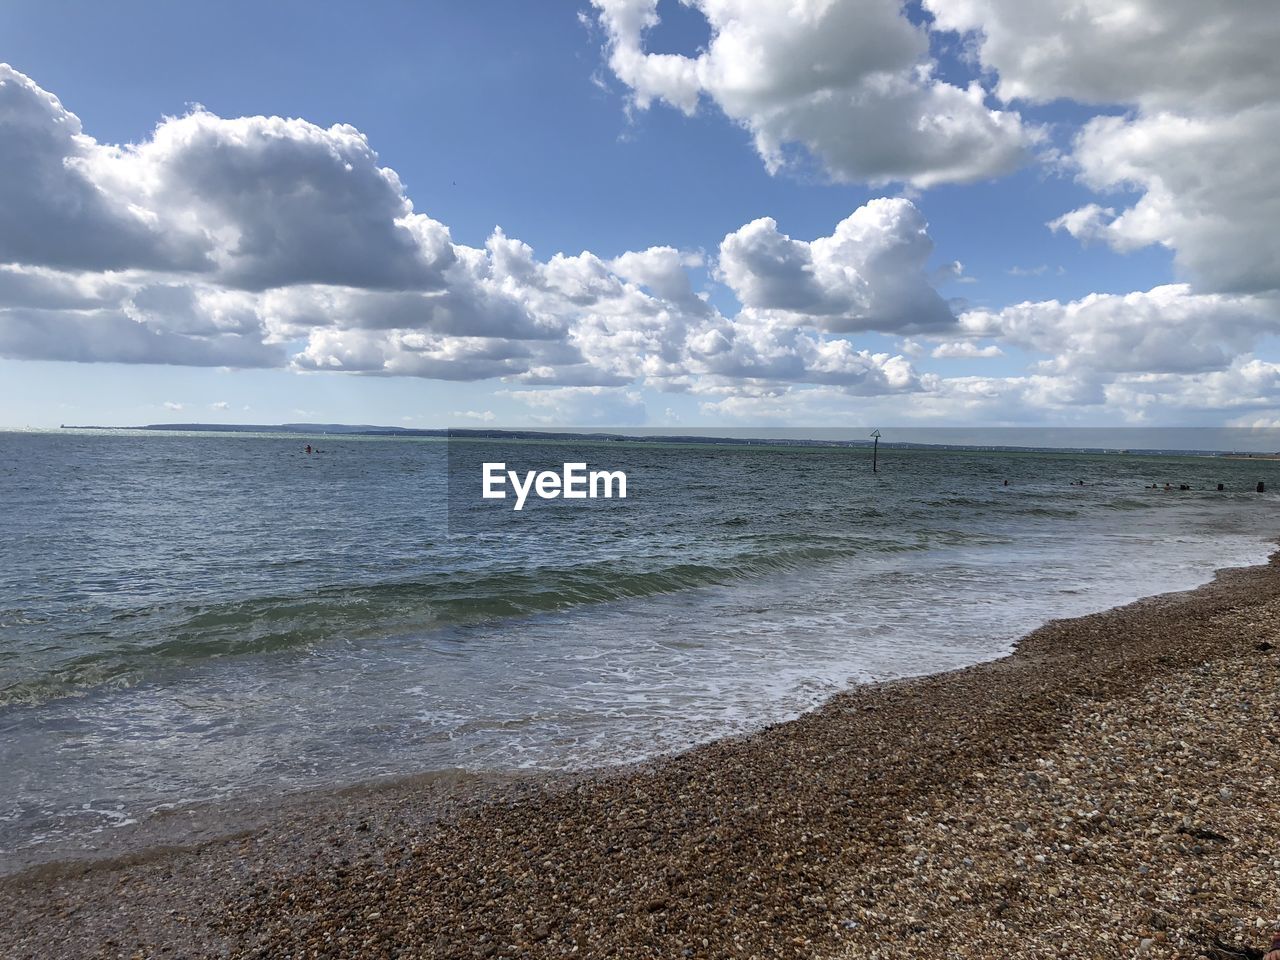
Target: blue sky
x,y
519,116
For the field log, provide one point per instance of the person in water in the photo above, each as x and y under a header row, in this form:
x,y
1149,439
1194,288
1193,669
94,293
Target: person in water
x,y
308,448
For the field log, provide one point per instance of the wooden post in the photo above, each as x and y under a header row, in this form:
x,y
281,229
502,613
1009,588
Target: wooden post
x,y
875,452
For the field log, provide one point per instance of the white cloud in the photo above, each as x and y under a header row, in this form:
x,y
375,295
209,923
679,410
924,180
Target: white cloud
x,y
484,416
761,349
850,81
1168,329
581,321
280,202
665,272
1199,145
868,275
1210,192
1160,54
258,202
170,405
111,336
412,353
784,404
965,350
952,272
262,242
582,406
194,310
1248,384
43,288
53,213
466,309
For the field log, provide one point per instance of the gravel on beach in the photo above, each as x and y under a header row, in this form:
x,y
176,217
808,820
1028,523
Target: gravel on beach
x,y
1109,790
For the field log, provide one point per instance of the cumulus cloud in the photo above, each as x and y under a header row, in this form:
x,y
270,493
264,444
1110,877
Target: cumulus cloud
x,y
412,353
583,322
1168,329
112,336
463,310
47,289
757,350
257,202
1161,54
1210,192
850,81
194,310
992,400
263,242
1244,387
1167,354
281,202
868,275
965,350
53,212
664,271
1198,146
1248,384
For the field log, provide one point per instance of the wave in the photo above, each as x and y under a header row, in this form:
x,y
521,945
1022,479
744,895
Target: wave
x,y
132,644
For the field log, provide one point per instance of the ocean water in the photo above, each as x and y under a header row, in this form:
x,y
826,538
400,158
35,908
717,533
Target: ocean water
x,y
194,617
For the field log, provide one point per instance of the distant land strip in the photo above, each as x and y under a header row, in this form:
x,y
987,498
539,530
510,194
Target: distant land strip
x,y
371,430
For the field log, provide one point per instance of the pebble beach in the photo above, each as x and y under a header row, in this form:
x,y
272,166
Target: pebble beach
x,y
1108,790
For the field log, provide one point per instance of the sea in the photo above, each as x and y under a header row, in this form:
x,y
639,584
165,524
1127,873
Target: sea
x,y
195,618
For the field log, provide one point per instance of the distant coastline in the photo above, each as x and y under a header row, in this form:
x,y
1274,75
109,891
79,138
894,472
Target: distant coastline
x,y
479,433
370,430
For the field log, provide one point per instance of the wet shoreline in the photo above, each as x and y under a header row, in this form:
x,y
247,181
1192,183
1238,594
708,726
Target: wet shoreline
x,y
751,846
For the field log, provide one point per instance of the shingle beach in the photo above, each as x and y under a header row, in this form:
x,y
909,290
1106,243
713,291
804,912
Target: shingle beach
x,y
1111,789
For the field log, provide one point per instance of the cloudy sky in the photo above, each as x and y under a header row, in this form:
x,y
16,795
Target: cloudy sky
x,y
640,212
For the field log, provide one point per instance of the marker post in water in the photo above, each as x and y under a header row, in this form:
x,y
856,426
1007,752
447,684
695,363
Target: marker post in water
x,y
875,451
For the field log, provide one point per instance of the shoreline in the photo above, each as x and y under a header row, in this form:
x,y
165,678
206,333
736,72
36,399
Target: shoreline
x,y
171,829
744,846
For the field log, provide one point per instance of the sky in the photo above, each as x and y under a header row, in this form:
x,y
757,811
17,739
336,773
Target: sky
x,y
640,213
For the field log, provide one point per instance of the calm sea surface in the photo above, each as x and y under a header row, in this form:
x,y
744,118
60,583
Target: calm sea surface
x,y
186,618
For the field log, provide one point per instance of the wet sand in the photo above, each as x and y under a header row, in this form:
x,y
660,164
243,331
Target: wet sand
x,y
1110,789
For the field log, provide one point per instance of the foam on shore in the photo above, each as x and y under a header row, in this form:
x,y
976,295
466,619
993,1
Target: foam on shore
x,y
839,828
